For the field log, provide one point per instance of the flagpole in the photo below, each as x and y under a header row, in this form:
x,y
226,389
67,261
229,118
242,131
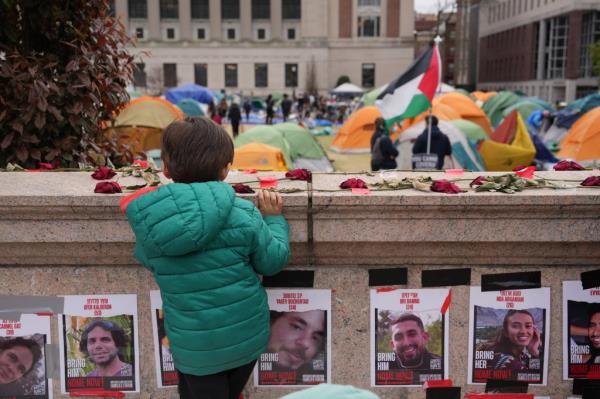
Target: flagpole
x,y
436,41
429,130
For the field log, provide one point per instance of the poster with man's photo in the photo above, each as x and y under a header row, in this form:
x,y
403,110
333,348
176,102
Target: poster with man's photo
x,y
581,331
299,348
509,335
99,343
166,375
23,373
409,336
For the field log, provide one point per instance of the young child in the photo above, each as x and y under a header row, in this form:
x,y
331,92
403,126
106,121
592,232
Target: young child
x,y
206,248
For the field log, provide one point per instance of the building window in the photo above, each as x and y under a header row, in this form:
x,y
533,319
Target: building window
x,y
231,75
369,3
291,9
368,26
590,34
200,9
171,33
230,9
170,75
556,54
291,34
261,75
200,74
138,9
291,75
230,34
169,9
261,9
368,75
139,33
261,34
200,33
139,75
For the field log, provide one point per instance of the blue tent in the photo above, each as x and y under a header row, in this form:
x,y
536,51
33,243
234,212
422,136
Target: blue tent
x,y
193,91
567,117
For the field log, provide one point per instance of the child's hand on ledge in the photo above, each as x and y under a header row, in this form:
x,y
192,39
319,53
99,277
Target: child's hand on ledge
x,y
269,203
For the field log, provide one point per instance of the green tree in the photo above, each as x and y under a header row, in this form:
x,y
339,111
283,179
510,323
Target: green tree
x,y
64,68
434,329
342,79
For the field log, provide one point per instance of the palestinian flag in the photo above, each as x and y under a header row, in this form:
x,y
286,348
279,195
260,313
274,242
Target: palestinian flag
x,y
412,93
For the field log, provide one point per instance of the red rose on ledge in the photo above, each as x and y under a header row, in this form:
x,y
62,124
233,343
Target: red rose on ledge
x,y
478,181
242,188
591,181
444,186
299,174
353,183
143,164
568,165
107,187
103,173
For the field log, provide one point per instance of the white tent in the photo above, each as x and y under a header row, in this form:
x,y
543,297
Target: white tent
x,y
347,88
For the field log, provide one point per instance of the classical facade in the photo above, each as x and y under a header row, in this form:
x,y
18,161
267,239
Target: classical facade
x,y
262,46
540,47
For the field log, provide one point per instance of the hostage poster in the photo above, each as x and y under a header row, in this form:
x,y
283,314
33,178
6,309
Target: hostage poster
x,y
166,375
409,336
99,344
508,335
299,348
581,331
23,373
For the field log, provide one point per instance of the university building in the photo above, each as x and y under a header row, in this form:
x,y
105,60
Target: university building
x,y
261,46
540,47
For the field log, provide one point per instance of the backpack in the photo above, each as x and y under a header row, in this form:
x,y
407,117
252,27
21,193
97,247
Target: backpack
x,y
376,153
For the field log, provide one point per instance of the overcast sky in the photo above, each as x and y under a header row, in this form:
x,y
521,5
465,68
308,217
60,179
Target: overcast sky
x,y
430,6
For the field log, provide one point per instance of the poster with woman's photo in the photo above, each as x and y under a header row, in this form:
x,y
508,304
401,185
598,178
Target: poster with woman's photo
x,y
299,348
508,335
166,375
409,336
99,343
581,331
23,373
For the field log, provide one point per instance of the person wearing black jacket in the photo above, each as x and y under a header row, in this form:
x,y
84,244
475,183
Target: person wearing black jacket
x,y
234,116
383,152
439,145
286,107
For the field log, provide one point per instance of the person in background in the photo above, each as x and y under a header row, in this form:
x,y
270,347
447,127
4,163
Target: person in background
x,y
383,152
247,105
439,143
222,108
234,115
206,248
214,114
270,109
286,107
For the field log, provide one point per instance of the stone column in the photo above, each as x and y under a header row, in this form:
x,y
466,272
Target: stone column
x,y
122,13
573,44
246,20
214,8
185,20
276,21
392,21
345,18
154,20
407,19
541,49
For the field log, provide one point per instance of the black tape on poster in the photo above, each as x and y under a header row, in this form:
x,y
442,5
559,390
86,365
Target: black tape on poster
x,y
383,277
290,279
442,393
506,386
511,281
445,277
590,279
588,389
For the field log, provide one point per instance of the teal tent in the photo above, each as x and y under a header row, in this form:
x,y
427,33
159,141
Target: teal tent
x,y
266,135
495,106
301,142
471,130
190,107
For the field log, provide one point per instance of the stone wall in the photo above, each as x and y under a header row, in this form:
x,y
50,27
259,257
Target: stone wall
x,y
58,237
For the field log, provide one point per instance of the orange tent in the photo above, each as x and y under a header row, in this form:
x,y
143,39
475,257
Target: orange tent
x,y
466,108
260,157
582,143
483,96
355,135
442,111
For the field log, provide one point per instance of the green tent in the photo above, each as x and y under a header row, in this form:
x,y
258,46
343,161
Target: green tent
x,y
266,135
495,106
471,130
525,108
302,143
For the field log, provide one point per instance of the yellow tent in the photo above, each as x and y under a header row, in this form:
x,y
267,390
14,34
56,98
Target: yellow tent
x,y
505,157
355,135
582,143
260,157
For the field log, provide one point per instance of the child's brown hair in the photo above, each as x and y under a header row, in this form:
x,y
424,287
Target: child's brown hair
x,y
196,150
